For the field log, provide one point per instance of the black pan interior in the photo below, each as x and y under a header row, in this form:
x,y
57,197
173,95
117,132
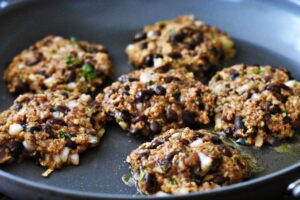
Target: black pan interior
x,y
259,28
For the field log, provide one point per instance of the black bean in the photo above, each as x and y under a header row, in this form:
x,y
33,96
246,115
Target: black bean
x,y
219,179
155,127
287,120
199,134
273,109
44,73
37,58
124,79
171,115
178,37
175,55
184,141
36,128
189,118
15,148
139,118
239,124
23,87
226,151
151,184
191,45
177,95
135,130
228,131
18,107
273,87
139,36
156,143
62,109
144,154
144,45
216,140
54,121
70,143
144,95
198,178
163,69
201,106
65,93
149,60
47,128
160,90
241,141
124,115
171,155
233,74
267,117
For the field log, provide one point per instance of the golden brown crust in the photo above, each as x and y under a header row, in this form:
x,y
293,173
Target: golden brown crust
x,y
184,160
256,104
58,63
152,100
183,41
54,126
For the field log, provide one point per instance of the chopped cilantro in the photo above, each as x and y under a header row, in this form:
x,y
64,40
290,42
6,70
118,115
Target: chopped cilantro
x,y
151,82
88,72
172,31
235,158
171,181
258,71
210,149
64,134
143,175
73,39
71,61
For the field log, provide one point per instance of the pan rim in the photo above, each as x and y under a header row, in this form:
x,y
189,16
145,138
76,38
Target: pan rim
x,y
6,176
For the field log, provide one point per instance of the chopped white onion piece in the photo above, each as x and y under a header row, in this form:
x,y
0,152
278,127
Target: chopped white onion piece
x,y
71,85
14,129
145,77
196,143
205,161
72,104
65,154
74,159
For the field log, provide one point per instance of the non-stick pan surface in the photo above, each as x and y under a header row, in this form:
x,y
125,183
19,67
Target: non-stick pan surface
x,y
265,32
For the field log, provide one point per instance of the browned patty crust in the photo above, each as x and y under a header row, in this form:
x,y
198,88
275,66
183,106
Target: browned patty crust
x,y
184,160
58,63
152,100
54,127
184,41
256,104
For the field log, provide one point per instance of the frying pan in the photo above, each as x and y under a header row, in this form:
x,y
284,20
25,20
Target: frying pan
x,y
265,32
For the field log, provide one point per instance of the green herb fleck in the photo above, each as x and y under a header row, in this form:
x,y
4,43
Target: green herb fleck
x,y
172,31
258,71
151,82
143,175
88,72
160,122
73,39
210,149
171,181
64,134
71,61
235,158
